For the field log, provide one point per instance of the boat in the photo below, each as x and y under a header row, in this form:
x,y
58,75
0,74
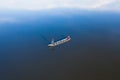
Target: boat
x,y
65,40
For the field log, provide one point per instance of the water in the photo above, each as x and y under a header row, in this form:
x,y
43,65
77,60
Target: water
x,y
92,54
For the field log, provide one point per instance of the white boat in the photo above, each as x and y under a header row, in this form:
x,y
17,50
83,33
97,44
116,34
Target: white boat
x,y
53,44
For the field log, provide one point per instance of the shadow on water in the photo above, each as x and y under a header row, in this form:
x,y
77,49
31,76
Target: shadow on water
x,y
45,39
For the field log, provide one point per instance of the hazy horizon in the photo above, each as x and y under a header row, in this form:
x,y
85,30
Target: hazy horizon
x,y
27,27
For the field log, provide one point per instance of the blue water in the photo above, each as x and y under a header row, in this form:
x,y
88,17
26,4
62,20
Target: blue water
x,y
92,54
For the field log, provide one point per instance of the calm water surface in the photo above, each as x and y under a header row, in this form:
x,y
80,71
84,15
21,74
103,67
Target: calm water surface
x,y
92,54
